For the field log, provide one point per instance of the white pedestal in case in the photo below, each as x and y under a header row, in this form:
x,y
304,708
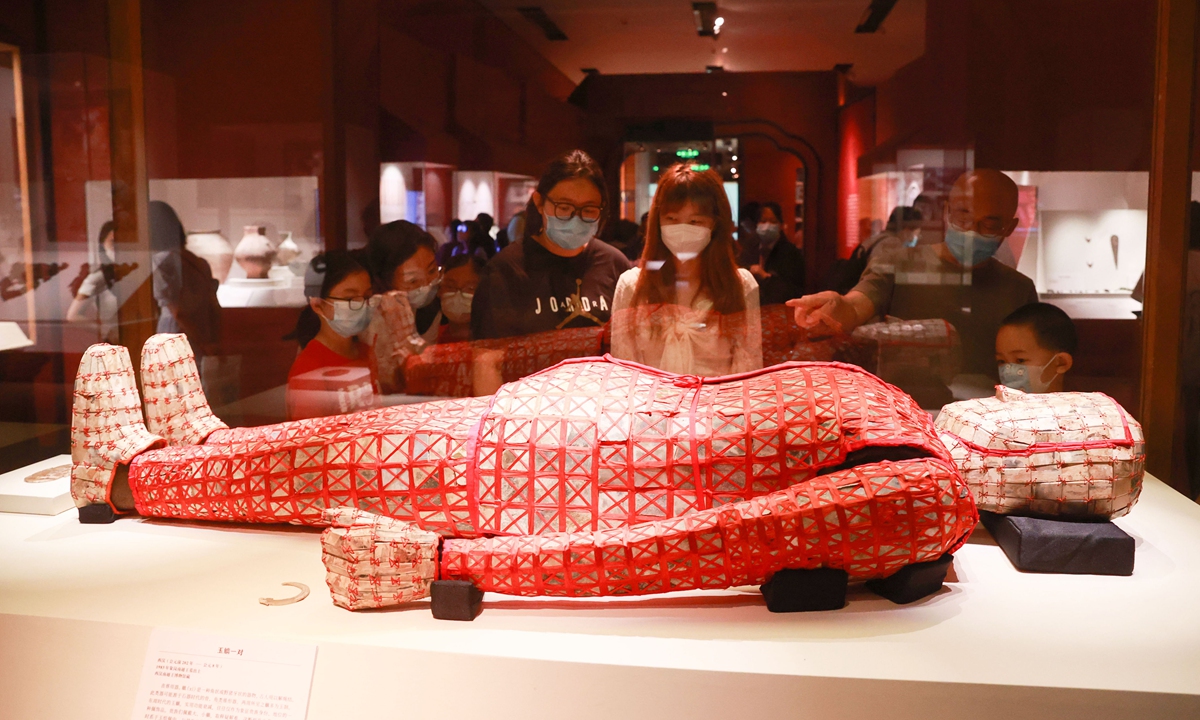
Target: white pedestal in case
x,y
78,604
40,498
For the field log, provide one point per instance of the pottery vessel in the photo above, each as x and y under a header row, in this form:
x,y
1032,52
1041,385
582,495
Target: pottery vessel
x,y
287,250
254,252
215,249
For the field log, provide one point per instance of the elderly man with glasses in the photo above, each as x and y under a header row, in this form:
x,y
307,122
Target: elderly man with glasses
x,y
957,279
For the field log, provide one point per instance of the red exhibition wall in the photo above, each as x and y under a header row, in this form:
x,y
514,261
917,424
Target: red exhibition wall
x,y
1029,85
856,130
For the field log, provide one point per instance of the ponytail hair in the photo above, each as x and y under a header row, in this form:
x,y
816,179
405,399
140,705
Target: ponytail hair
x,y
321,276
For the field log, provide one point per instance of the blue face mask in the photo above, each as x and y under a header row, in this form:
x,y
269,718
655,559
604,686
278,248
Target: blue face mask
x,y
1025,378
982,247
570,234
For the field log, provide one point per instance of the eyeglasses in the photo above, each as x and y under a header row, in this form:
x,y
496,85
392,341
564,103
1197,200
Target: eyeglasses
x,y
452,288
357,303
566,211
416,282
990,226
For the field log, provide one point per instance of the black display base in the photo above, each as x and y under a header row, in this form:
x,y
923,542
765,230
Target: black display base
x,y
806,590
913,582
1075,547
96,515
455,600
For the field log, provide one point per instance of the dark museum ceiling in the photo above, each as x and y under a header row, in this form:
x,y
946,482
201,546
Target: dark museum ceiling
x,y
659,36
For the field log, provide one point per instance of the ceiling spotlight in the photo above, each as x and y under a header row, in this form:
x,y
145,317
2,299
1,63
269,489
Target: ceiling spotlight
x,y
708,19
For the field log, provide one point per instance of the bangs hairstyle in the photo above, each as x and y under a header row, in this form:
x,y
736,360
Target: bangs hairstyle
x,y
575,164
719,281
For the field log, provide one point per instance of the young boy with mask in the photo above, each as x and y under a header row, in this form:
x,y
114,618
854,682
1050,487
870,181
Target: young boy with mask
x,y
1035,348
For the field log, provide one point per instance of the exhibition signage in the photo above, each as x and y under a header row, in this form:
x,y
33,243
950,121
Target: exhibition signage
x,y
211,677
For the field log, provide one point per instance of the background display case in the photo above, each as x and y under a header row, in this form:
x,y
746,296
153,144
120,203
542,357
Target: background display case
x,y
498,194
644,161
418,192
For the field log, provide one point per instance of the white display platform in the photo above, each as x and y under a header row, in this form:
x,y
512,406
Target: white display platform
x,y
42,498
79,603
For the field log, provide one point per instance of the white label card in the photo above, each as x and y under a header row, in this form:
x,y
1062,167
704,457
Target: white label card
x,y
196,676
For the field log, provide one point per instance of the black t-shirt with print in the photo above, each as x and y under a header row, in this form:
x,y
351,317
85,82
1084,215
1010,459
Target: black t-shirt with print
x,y
528,289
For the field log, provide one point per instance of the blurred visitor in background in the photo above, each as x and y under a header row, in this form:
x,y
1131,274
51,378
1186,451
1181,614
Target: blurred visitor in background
x,y
747,243
486,223
1035,348
957,279
456,243
558,274
513,231
184,287
480,243
932,230
459,283
94,301
627,237
332,374
904,224
408,315
779,264
688,308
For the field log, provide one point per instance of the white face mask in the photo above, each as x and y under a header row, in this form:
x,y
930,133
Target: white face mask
x,y
686,242
457,306
422,296
768,232
347,321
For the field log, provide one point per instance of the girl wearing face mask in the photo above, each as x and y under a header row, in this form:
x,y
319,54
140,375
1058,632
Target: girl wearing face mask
x,y
687,308
558,274
332,374
456,294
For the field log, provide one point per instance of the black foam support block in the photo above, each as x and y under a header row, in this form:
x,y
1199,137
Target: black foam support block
x,y
792,590
96,514
913,582
1062,546
455,600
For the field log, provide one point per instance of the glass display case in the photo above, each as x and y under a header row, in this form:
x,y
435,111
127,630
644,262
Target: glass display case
x,y
417,192
644,161
273,220
1081,236
498,194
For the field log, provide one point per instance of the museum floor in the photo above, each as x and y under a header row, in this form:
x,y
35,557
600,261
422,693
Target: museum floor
x,y
78,603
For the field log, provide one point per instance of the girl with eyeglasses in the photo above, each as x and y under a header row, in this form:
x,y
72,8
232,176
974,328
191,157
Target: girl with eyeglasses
x,y
688,308
332,374
558,274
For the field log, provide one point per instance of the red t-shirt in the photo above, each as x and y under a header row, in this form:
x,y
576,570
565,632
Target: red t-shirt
x,y
322,382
